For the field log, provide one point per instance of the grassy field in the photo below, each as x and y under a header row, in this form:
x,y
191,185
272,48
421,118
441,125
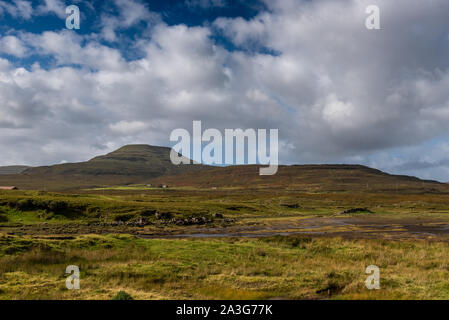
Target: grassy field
x,y
276,267
132,202
41,233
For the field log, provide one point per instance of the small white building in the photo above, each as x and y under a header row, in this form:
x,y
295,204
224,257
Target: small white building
x,y
8,188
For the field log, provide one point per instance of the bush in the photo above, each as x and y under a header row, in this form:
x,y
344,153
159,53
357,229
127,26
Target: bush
x,y
163,215
57,206
25,204
147,213
124,217
93,211
122,295
290,241
29,204
44,214
46,208
3,218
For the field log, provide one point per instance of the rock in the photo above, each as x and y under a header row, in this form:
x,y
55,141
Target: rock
x,y
218,215
187,221
163,215
142,221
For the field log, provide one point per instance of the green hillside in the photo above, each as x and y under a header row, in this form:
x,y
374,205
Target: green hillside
x,y
12,169
308,178
130,160
127,165
141,164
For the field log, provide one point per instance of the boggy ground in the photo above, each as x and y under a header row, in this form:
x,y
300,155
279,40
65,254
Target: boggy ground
x,y
282,267
364,227
261,245
347,228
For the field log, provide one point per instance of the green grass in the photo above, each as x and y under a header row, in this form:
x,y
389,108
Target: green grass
x,y
277,267
33,261
107,205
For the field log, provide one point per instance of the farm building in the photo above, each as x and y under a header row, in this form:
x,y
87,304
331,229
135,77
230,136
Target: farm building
x,y
8,188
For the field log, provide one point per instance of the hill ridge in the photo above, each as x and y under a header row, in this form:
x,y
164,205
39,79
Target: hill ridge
x,y
140,163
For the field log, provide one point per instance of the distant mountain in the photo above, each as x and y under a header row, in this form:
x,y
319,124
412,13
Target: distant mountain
x,y
127,165
131,160
134,164
13,169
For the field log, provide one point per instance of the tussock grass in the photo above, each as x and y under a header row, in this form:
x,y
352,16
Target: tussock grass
x,y
289,267
227,268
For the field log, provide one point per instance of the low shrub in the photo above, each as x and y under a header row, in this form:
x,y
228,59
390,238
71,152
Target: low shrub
x,y
124,217
148,212
58,206
122,295
291,241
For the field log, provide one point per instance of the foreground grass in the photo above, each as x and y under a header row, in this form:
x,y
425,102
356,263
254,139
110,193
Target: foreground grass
x,y
277,267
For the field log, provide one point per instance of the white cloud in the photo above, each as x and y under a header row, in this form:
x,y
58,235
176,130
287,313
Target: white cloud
x,y
66,47
338,113
130,13
17,8
128,127
385,81
56,7
336,91
13,46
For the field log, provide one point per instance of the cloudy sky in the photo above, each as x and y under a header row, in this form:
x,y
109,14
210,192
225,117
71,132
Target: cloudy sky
x,y
136,70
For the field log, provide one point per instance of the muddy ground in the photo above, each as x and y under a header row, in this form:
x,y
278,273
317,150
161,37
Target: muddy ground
x,y
366,227
348,228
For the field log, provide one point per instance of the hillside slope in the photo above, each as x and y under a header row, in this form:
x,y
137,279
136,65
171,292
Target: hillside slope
x,y
12,169
129,164
308,178
130,160
135,164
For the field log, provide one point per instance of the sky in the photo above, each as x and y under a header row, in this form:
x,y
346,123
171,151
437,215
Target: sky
x,y
136,70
